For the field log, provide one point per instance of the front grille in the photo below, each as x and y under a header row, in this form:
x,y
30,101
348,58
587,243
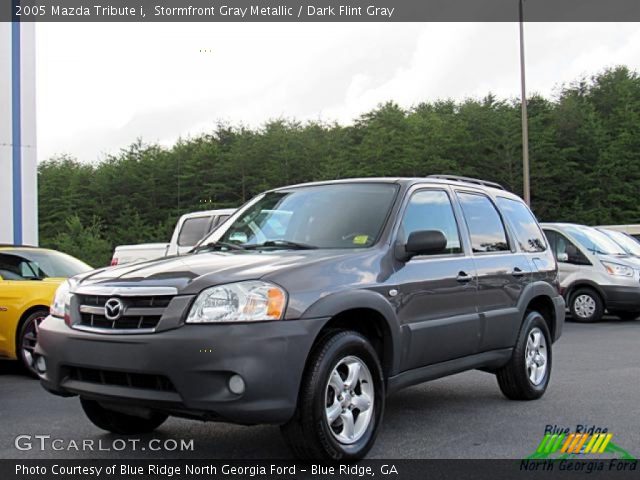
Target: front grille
x,y
137,313
121,379
123,323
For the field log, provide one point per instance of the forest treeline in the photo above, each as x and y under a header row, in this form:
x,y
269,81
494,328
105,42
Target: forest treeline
x,y
584,150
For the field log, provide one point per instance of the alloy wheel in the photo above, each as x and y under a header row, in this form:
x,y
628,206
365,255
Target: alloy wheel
x,y
349,400
29,340
536,356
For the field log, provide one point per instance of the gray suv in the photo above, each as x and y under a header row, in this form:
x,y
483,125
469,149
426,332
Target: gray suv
x,y
308,307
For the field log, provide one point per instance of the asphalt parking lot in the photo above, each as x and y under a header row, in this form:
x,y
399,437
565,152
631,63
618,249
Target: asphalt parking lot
x,y
595,381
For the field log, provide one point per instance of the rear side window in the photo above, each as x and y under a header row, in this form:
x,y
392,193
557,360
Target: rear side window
x,y
527,231
193,229
485,225
431,210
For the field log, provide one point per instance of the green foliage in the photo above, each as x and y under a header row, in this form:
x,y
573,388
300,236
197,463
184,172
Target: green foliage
x,y
584,150
82,242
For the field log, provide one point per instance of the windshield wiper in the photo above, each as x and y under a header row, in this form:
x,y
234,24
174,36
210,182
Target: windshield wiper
x,y
281,244
217,245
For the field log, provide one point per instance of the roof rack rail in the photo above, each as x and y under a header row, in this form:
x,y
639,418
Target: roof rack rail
x,y
477,181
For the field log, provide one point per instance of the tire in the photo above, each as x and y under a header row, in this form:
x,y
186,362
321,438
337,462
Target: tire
x,y
626,316
586,306
310,434
527,374
121,423
26,340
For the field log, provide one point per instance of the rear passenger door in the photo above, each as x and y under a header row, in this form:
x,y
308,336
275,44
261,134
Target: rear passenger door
x,y
502,271
437,294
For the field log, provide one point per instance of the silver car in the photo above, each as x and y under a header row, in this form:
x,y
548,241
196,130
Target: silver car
x,y
596,273
628,243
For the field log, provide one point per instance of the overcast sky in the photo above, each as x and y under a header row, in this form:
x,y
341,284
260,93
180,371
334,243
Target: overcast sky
x,y
101,86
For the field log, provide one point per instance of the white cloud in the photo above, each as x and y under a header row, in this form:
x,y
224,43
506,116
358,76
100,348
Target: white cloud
x,y
101,86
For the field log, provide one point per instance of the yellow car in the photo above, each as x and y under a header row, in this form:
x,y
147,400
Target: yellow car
x,y
29,278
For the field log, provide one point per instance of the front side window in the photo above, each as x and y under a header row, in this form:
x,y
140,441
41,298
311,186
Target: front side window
x,y
432,210
349,215
485,225
527,230
39,264
193,229
565,250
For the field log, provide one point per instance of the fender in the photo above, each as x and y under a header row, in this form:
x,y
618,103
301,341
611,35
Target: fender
x,y
580,283
339,302
535,289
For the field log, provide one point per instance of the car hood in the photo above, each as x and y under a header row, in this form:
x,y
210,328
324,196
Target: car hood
x,y
191,273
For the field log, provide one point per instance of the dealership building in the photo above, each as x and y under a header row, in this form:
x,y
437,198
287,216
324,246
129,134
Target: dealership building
x,y
18,164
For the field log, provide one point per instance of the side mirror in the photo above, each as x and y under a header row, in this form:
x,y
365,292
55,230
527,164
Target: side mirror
x,y
425,242
563,257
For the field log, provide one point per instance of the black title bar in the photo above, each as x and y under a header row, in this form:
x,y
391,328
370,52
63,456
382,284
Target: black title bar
x,y
318,10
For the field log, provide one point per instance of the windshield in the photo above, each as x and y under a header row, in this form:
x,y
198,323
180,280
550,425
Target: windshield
x,y
37,264
595,241
349,215
628,243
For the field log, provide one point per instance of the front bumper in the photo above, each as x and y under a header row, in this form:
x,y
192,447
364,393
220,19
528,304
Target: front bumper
x,y
619,297
198,361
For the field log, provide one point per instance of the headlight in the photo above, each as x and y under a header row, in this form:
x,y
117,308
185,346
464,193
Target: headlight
x,y
252,301
618,270
61,300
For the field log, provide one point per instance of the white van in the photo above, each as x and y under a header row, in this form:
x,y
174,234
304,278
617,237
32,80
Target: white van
x,y
596,274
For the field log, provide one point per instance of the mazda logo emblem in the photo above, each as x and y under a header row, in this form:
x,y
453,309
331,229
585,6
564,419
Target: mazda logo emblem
x,y
113,309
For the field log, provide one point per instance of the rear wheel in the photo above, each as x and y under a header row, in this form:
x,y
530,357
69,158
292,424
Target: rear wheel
x,y
27,339
341,400
526,376
586,306
118,422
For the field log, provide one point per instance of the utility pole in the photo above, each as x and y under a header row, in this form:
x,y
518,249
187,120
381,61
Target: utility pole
x,y
525,124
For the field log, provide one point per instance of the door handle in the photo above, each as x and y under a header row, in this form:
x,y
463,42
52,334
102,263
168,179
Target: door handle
x,y
517,272
463,277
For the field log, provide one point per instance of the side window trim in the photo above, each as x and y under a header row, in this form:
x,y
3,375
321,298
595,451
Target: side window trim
x,y
507,233
403,210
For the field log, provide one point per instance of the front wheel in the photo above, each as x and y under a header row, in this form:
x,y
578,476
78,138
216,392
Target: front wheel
x,y
341,400
526,376
586,306
27,339
121,423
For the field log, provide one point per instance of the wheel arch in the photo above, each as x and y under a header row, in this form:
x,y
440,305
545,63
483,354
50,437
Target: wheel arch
x,y
584,284
368,313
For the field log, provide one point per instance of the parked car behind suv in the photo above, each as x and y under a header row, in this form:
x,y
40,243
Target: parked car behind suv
x,y
189,230
596,274
309,306
29,277
628,243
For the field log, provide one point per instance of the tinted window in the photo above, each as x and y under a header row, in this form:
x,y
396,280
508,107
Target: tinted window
x,y
484,223
563,247
28,265
527,231
431,210
193,229
348,215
